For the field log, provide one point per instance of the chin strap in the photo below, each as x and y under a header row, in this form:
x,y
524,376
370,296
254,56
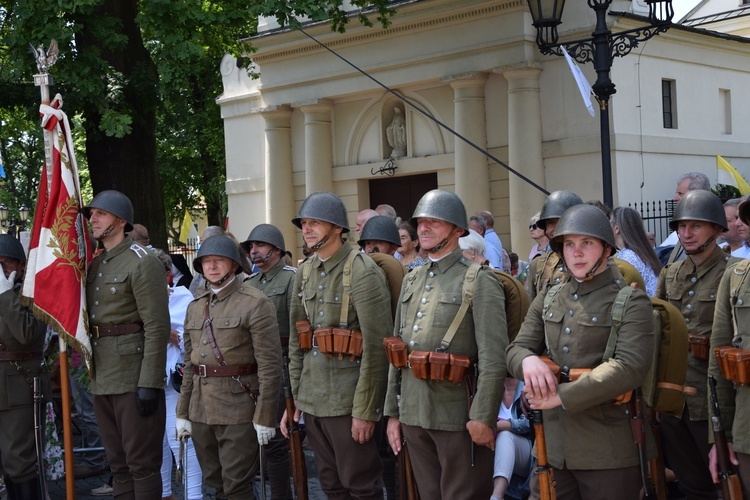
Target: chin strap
x,y
438,247
702,247
268,256
321,242
106,231
595,268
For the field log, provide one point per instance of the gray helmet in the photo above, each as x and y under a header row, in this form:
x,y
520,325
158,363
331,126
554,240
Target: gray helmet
x,y
11,247
443,205
220,245
265,233
699,205
381,228
555,205
115,203
323,206
583,219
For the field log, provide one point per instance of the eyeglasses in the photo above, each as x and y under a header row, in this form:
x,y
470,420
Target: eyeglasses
x,y
533,226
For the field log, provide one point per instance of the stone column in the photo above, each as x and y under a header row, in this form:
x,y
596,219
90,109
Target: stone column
x,y
471,171
279,188
318,145
524,150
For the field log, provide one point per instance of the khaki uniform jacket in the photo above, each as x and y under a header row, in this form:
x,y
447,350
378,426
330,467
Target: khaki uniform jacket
x,y
588,432
693,290
733,403
127,285
20,330
545,271
246,332
331,387
430,298
277,284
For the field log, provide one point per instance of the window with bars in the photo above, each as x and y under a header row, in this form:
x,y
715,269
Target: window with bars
x,y
669,106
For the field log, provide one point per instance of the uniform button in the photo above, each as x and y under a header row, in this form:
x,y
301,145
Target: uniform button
x,y
595,319
100,275
93,316
689,306
315,354
115,280
549,315
618,281
565,369
320,314
320,287
203,355
411,343
137,348
693,279
575,296
567,330
557,280
687,320
561,269
323,274
739,301
97,289
377,410
320,300
264,282
427,287
711,296
691,292
204,381
424,300
358,361
455,299
419,315
318,326
96,302
104,262
205,342
299,295
431,274
95,344
566,350
416,328
570,313
336,298
226,323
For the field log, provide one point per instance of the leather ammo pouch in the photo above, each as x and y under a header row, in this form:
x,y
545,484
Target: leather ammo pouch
x,y
575,373
395,349
420,366
459,364
734,364
355,344
304,334
554,367
340,341
699,345
439,365
324,340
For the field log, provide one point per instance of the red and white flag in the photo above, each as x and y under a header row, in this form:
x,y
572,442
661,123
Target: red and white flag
x,y
59,251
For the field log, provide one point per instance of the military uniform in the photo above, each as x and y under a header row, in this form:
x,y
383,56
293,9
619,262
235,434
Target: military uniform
x,y
692,289
332,391
589,441
129,320
545,271
434,414
21,344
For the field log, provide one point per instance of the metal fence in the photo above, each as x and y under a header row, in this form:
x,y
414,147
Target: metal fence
x,y
189,250
656,216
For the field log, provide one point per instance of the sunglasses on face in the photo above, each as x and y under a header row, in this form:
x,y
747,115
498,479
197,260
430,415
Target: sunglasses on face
x,y
533,226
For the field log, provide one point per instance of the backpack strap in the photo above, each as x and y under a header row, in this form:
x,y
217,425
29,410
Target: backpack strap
x,y
347,282
618,312
548,298
467,292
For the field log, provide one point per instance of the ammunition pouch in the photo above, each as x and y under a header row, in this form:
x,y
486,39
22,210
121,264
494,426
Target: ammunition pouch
x,y
699,345
339,342
395,350
304,334
734,364
426,365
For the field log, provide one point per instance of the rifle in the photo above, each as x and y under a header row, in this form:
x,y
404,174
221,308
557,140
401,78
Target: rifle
x,y
637,427
731,488
299,469
407,484
656,464
543,469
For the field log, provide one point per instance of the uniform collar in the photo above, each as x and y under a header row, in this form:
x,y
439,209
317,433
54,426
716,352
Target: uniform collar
x,y
334,260
118,249
226,291
447,262
716,256
272,272
596,283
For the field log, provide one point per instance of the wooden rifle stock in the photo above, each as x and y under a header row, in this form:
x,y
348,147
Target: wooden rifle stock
x,y
407,484
299,469
638,428
731,488
656,464
543,469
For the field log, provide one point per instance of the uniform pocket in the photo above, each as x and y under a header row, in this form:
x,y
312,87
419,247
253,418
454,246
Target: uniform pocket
x,y
594,332
447,308
18,389
553,319
706,305
129,344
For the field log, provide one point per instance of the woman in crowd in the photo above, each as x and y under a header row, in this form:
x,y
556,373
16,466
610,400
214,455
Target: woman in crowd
x,y
634,246
512,446
473,247
409,249
537,234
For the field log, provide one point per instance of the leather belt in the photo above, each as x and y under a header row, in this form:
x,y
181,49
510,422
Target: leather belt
x,y
19,355
114,330
224,370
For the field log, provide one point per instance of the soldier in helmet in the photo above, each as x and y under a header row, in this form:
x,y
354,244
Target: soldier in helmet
x,y
589,440
691,285
265,247
450,442
232,372
380,235
21,344
129,323
337,366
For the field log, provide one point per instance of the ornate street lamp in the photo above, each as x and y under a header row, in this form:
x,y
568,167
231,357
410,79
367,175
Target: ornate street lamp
x,y
14,226
601,48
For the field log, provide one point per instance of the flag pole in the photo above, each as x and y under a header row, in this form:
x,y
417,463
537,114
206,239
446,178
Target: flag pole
x,y
44,80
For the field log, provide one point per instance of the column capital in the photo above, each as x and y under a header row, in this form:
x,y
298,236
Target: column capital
x,y
469,79
523,69
314,105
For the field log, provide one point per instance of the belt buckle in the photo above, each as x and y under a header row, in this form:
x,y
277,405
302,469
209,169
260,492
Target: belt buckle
x,y
202,371
95,333
315,342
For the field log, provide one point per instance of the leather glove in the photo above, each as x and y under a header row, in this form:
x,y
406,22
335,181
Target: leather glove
x,y
7,283
147,400
183,428
264,433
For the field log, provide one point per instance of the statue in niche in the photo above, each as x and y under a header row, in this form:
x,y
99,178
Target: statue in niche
x,y
396,134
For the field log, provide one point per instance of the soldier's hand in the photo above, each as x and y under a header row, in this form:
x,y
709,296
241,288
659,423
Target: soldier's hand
x,y
393,431
544,403
264,433
7,283
362,430
713,461
183,428
540,382
482,434
284,424
147,400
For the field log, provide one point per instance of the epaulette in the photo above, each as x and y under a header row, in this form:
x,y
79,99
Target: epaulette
x,y
137,249
290,268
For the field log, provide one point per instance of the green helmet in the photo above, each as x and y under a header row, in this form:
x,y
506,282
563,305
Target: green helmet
x,y
265,233
219,245
442,205
700,205
323,206
115,203
555,205
586,220
381,228
10,247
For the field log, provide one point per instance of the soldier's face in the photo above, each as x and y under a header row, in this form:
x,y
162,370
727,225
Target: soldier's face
x,y
695,233
102,222
258,251
549,228
377,246
216,267
314,230
433,231
581,254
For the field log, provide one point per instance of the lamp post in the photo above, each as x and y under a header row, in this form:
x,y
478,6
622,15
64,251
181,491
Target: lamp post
x,y
14,226
601,48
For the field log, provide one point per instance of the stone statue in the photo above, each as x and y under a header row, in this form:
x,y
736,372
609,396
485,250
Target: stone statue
x,y
396,134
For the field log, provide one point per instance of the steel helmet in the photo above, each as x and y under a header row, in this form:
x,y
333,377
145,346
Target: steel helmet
x,y
586,220
265,233
443,205
381,228
323,206
700,205
555,205
219,245
115,203
10,247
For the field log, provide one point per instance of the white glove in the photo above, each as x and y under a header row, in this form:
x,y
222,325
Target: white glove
x,y
264,433
183,428
7,283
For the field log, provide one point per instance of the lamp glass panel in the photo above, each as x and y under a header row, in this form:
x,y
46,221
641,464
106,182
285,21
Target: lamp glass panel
x,y
3,213
23,213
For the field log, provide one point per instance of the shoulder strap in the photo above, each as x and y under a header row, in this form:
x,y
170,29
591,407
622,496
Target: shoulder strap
x,y
467,291
618,312
347,282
